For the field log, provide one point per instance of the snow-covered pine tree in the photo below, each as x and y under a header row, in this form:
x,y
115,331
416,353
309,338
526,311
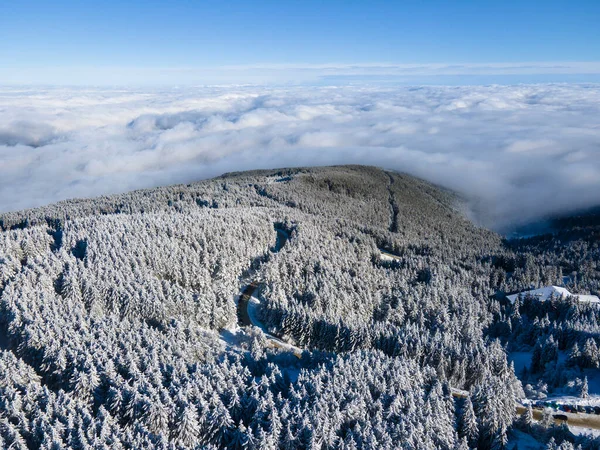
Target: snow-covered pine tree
x,y
584,392
467,423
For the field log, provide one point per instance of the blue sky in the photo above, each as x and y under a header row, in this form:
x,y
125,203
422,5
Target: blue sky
x,y
129,41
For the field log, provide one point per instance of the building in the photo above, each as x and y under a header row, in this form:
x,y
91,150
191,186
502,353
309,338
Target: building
x,y
543,294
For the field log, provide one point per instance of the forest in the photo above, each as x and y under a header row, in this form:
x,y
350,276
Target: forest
x,y
119,326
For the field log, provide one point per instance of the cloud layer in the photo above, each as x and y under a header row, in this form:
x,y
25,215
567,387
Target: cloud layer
x,y
523,151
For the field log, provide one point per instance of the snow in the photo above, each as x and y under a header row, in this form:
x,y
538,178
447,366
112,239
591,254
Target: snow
x,y
523,359
231,336
387,256
253,305
592,400
521,440
584,430
545,293
277,179
235,336
459,393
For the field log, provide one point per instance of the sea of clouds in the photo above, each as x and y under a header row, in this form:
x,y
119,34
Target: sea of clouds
x,y
519,152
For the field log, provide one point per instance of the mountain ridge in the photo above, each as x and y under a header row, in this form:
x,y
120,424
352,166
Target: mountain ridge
x,y
122,313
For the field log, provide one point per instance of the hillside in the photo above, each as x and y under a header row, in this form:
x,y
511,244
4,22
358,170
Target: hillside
x,y
120,327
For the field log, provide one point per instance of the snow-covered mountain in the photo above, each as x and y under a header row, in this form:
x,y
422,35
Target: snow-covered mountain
x,y
127,321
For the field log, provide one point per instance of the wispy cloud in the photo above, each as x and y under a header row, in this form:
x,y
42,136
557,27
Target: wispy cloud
x,y
289,73
524,150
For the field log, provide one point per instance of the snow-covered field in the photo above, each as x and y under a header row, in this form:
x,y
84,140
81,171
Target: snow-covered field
x,y
522,360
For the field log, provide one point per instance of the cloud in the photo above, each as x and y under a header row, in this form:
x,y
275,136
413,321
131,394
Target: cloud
x,y
523,151
25,133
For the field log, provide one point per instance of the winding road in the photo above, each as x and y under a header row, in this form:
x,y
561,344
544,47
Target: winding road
x,y
245,299
242,306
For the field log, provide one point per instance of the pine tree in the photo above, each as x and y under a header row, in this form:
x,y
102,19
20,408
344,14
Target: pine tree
x,y
583,393
288,441
239,437
462,444
547,418
156,416
219,425
526,419
536,358
590,354
574,356
499,440
186,429
566,445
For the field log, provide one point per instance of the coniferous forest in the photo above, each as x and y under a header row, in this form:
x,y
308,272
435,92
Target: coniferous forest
x,y
378,301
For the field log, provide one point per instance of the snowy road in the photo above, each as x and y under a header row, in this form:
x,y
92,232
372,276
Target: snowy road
x,y
577,420
242,306
247,316
248,304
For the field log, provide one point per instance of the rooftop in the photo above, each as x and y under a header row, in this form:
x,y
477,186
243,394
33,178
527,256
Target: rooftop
x,y
545,293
